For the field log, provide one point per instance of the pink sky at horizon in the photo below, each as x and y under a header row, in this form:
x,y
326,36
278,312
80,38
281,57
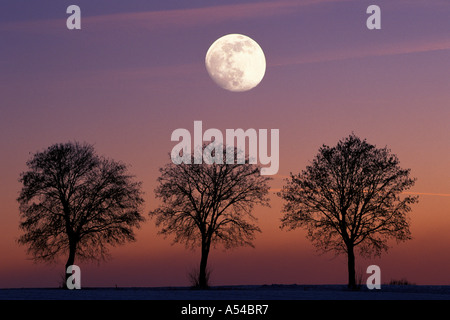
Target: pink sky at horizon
x,y
136,72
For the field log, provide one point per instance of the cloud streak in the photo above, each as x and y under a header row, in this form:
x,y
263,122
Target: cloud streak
x,y
428,194
179,18
210,15
276,190
392,49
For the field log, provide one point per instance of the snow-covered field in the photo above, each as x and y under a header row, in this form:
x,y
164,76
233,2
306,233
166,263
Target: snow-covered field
x,y
263,292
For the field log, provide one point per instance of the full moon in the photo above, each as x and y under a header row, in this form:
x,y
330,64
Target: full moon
x,y
236,62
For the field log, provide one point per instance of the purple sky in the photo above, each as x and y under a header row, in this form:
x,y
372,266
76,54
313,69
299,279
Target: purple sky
x,y
135,72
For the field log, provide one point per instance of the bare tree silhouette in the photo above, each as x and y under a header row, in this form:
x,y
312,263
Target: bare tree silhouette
x,y
204,204
75,202
349,196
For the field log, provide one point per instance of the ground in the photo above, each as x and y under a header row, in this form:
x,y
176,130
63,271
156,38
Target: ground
x,y
255,292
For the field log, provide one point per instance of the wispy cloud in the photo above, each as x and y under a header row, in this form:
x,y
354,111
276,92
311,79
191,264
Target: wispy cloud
x,y
210,15
276,190
428,194
178,18
388,49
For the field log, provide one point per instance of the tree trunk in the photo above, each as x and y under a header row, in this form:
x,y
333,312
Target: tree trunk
x,y
70,261
202,275
351,267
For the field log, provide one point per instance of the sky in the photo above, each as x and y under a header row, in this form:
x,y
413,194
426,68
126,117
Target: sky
x,y
135,72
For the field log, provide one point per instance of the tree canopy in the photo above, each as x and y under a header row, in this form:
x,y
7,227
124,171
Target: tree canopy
x,y
351,195
75,202
206,204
